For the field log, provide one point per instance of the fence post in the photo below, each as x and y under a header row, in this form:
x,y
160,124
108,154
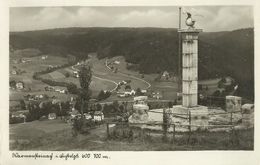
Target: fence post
x,y
173,134
189,126
210,102
232,135
231,118
108,130
189,121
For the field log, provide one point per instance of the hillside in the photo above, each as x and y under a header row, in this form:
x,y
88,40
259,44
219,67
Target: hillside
x,y
153,49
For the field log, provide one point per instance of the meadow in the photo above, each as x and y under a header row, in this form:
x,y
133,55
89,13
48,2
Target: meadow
x,y
56,135
35,64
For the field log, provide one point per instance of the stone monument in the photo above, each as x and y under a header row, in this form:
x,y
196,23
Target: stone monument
x,y
140,110
233,103
189,39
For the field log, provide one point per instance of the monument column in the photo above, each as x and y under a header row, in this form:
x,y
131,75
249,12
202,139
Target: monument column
x,y
189,67
197,114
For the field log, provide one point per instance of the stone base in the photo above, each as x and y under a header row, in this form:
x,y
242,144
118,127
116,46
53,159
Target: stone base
x,y
199,115
138,118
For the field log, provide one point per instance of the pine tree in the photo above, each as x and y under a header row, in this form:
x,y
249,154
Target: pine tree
x,y
85,75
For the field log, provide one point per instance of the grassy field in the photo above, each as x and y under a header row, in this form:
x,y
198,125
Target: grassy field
x,y
56,135
23,53
26,133
56,75
96,84
102,79
35,64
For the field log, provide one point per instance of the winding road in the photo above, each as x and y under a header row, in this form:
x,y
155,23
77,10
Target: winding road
x,y
102,79
147,83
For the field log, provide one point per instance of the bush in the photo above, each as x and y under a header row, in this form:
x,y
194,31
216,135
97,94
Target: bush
x,y
72,88
67,74
138,92
82,125
102,95
127,87
15,120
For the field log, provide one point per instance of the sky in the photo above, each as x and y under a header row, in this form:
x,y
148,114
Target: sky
x,y
208,18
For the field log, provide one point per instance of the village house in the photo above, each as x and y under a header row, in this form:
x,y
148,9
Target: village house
x,y
143,91
20,114
57,90
20,85
52,116
44,57
13,72
50,67
76,74
98,116
15,61
63,91
24,60
49,88
87,116
39,96
165,75
74,113
126,93
117,62
132,92
157,95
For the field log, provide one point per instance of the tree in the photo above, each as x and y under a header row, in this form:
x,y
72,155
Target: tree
x,y
115,105
34,111
107,94
165,126
121,108
67,74
127,87
85,75
170,104
99,107
106,110
207,88
12,84
138,92
217,93
116,69
72,88
101,95
22,104
65,108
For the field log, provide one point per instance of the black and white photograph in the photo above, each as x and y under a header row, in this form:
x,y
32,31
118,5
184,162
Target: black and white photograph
x,y
131,78
85,80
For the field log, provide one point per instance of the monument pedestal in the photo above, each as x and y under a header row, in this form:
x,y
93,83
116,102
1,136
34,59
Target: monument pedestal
x,y
198,115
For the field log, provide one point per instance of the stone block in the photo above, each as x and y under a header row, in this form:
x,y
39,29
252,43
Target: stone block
x,y
248,115
233,103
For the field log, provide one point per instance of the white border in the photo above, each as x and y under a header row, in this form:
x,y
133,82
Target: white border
x,y
173,157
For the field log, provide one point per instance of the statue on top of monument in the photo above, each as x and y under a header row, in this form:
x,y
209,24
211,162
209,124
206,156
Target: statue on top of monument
x,y
189,21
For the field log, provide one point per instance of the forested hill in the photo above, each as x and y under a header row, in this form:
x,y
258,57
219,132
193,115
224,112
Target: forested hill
x,y
154,49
